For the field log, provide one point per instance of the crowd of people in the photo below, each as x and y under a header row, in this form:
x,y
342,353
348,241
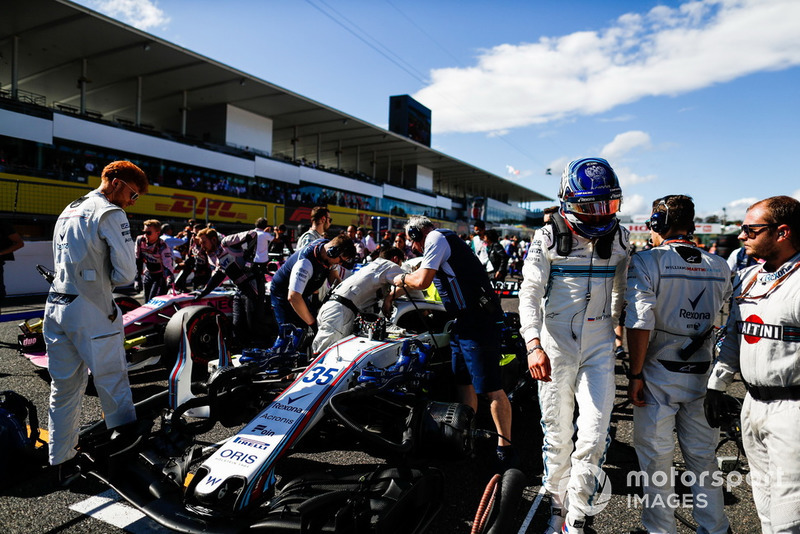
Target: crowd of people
x,y
581,284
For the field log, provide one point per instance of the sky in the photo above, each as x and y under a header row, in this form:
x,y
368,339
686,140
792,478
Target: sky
x,y
699,97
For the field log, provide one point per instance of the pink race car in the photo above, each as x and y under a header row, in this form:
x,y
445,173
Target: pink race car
x,y
153,330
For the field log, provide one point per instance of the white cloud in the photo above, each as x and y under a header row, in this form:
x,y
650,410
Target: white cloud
x,y
660,53
624,143
634,205
796,194
143,14
735,210
627,177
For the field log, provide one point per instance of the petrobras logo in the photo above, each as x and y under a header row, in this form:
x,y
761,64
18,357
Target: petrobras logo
x,y
247,442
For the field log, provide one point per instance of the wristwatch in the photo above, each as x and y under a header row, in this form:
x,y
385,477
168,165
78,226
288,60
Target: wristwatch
x,y
637,376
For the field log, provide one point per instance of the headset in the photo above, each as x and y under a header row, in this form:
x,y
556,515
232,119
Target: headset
x,y
415,234
334,251
659,220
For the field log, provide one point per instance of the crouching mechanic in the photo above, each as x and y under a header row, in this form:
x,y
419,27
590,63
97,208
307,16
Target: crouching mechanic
x,y
570,301
763,344
250,311
304,273
359,292
449,263
227,260
93,253
675,291
154,264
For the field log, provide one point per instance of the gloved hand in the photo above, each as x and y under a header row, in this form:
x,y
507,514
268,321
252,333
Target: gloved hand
x,y
197,294
714,407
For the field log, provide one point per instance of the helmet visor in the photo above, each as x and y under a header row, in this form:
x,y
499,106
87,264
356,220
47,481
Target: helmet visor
x,y
599,207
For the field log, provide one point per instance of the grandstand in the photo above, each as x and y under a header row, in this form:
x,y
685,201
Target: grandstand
x,y
78,89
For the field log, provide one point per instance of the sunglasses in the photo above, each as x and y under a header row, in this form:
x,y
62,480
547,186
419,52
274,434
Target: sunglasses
x,y
134,194
149,232
751,233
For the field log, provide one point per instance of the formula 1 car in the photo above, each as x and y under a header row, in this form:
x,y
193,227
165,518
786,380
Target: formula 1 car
x,y
377,384
152,330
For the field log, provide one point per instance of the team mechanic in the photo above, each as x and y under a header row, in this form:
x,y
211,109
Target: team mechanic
x,y
303,273
227,262
763,344
359,292
249,310
570,300
92,252
675,291
466,293
154,257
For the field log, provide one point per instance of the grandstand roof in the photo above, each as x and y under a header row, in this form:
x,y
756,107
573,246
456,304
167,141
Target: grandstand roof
x,y
56,40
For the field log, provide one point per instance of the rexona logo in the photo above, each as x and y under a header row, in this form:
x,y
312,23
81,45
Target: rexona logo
x,y
247,442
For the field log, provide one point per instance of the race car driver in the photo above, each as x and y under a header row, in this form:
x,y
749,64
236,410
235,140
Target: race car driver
x,y
675,291
763,336
92,253
359,292
153,261
303,273
570,300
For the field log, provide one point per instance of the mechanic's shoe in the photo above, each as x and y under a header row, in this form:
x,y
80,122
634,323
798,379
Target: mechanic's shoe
x,y
67,472
556,521
507,458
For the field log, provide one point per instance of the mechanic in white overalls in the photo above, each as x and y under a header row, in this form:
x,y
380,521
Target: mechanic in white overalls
x,y
763,344
570,300
675,291
93,253
358,293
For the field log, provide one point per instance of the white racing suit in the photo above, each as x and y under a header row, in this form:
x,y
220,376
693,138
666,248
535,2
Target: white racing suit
x,y
361,291
93,252
676,291
572,304
763,344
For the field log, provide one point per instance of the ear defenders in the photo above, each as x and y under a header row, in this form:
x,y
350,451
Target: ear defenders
x,y
659,220
414,233
333,251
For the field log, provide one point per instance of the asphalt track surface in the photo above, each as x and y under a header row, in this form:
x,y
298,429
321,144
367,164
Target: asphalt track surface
x,y
32,503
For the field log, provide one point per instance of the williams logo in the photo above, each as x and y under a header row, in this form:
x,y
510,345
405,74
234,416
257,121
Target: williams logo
x,y
753,329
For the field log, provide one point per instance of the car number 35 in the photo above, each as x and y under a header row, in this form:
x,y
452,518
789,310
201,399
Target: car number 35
x,y
321,375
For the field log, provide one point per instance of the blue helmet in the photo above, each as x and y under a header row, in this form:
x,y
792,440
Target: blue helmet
x,y
590,196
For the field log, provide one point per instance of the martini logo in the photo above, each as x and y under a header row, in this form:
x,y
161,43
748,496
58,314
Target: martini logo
x,y
753,329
